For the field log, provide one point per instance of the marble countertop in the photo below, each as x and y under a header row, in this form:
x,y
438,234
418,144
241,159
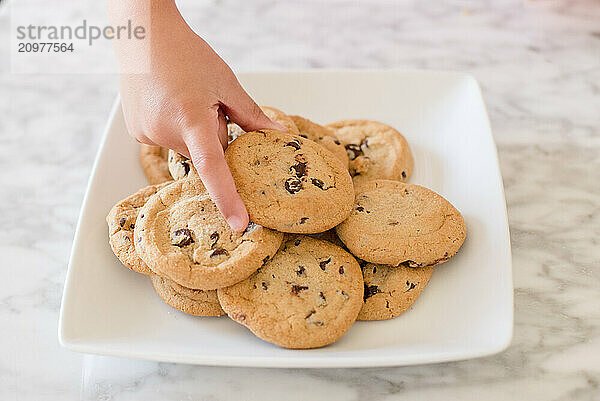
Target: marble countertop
x,y
538,63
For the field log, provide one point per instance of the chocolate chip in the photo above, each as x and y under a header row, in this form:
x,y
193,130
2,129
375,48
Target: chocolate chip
x,y
303,220
186,167
353,151
409,285
387,304
299,169
304,136
297,242
315,322
404,175
360,208
218,251
344,295
317,183
264,286
250,227
122,221
300,270
322,296
370,290
214,237
341,270
142,216
297,288
294,144
337,142
374,269
182,237
293,185
324,263
132,226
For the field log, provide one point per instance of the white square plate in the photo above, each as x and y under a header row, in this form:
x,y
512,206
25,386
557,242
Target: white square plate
x,y
466,310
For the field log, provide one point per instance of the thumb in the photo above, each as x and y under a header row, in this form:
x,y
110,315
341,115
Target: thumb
x,y
242,110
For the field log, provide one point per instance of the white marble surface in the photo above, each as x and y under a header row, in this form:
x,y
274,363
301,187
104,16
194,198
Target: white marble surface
x,y
539,66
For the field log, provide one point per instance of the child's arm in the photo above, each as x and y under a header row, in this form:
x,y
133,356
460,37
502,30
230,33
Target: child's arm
x,y
176,92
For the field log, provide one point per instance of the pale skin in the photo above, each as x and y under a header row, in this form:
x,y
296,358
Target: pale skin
x,y
176,92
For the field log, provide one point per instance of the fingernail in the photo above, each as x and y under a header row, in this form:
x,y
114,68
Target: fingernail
x,y
279,126
236,224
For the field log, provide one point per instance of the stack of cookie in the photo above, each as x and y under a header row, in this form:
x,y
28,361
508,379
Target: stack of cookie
x,y
336,234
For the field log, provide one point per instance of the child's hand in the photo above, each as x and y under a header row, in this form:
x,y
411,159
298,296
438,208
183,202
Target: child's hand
x,y
181,100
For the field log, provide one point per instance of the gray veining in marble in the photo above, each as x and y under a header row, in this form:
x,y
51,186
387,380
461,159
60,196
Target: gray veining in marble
x,y
539,66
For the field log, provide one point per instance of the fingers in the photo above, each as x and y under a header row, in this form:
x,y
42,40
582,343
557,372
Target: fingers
x,y
207,155
222,132
143,139
242,110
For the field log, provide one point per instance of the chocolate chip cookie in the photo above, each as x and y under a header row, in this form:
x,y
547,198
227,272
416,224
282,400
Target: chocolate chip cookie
x,y
121,222
396,223
376,150
289,183
180,166
187,300
390,291
282,118
307,296
181,235
329,235
154,163
322,135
